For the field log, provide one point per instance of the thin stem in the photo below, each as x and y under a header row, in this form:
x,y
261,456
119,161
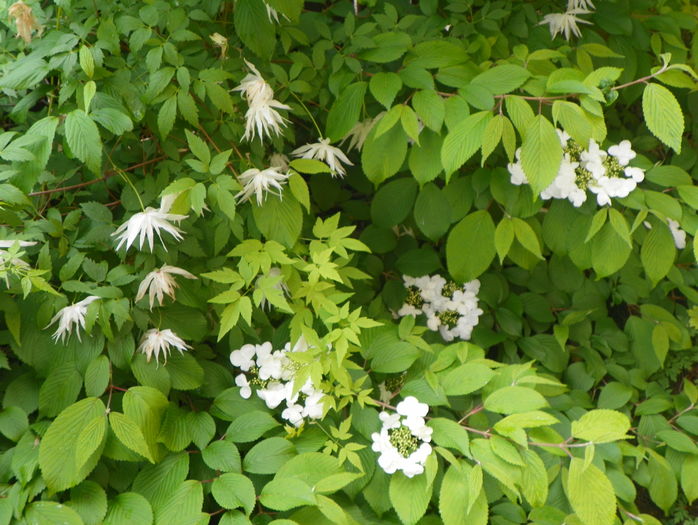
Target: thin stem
x,y
308,112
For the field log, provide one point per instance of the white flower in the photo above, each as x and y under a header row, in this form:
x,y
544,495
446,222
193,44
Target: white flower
x,y
518,175
389,420
8,243
623,152
69,317
580,4
159,283
411,407
565,23
261,117
243,358
221,42
678,234
273,394
260,182
358,134
293,414
271,366
314,407
637,174
156,341
322,150
244,384
143,224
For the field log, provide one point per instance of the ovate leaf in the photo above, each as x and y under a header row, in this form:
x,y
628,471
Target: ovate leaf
x,y
410,496
470,246
541,153
463,141
345,111
601,426
590,493
83,139
663,115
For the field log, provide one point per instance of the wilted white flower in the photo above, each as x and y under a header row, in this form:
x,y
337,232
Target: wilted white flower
x,y
221,42
261,117
358,134
156,341
24,20
144,224
579,4
260,182
678,234
159,283
69,317
322,150
278,161
565,23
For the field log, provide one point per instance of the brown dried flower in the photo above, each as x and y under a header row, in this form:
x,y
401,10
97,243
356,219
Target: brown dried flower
x,y
24,19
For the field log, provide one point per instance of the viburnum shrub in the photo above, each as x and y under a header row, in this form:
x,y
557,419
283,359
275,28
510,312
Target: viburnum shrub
x,y
348,262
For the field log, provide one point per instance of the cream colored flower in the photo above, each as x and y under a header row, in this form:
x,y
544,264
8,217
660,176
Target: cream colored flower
x,y
155,342
565,23
159,283
144,224
358,134
260,182
322,150
69,317
24,20
221,42
261,117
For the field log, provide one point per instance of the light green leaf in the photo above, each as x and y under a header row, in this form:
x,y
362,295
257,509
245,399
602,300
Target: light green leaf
x,y
90,501
663,115
131,508
463,141
430,107
167,115
689,478
182,506
502,79
279,219
663,485
466,378
658,252
457,505
267,456
233,490
514,399
345,111
590,493
491,136
541,153
601,426
129,434
287,493
504,237
527,237
51,513
384,86
410,496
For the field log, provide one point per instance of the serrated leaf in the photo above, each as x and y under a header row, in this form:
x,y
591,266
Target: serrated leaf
x,y
130,434
491,136
457,504
129,507
463,141
345,111
474,234
410,496
83,139
503,237
601,426
663,115
167,115
590,493
514,399
658,252
541,153
233,490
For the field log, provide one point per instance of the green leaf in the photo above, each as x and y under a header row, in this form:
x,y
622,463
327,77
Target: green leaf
x,y
310,166
113,120
157,482
392,203
410,124
534,479
527,237
491,136
267,456
175,431
689,478
279,219
345,111
463,141
287,493
90,501
466,378
430,107
13,422
198,147
83,138
97,376
129,507
167,115
504,237
658,252
233,490
388,46
663,115
384,87
520,113
90,439
382,156
449,434
601,426
51,513
609,251
182,506
250,426
410,496
425,158
432,212
663,485
58,449
474,236
590,493
502,79
130,434
457,505
573,120
514,399
541,153
253,27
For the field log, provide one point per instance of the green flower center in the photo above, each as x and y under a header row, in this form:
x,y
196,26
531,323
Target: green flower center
x,y
403,440
613,168
449,318
255,380
449,289
414,298
583,178
394,383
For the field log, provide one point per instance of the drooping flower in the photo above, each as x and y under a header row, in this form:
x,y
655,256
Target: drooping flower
x,y
358,134
261,117
24,20
221,42
580,4
565,23
278,161
156,342
8,243
322,150
70,317
260,182
143,225
159,283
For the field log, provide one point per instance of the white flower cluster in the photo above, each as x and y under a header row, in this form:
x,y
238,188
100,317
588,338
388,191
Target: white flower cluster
x,y
271,373
604,173
450,309
566,23
403,441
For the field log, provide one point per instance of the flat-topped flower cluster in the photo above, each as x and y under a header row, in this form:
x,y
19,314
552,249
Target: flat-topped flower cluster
x,y
403,441
606,173
271,373
450,308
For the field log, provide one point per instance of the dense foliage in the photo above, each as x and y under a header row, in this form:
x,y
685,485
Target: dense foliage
x,y
380,261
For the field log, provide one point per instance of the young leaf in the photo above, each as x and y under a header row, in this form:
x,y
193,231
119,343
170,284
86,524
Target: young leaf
x,y
463,141
590,493
601,426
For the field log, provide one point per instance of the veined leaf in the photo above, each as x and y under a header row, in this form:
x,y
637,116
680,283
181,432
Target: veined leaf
x,y
663,115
